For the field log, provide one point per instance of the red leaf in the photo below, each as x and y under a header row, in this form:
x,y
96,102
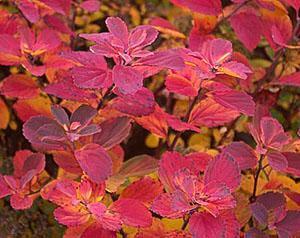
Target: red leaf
x,y
291,79
242,23
90,71
209,113
243,154
139,104
162,205
223,169
96,230
277,161
29,9
20,86
172,162
202,6
163,59
71,216
204,225
293,160
272,133
113,132
139,165
95,161
67,161
66,89
4,188
143,190
289,226
133,212
90,5
19,202
127,79
235,100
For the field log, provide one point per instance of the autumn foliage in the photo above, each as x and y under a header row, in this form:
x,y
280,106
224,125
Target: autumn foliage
x,y
150,119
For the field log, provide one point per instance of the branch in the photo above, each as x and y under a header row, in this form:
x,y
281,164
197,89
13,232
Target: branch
x,y
256,177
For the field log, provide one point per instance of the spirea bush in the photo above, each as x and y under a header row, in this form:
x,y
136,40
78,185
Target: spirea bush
x,y
153,118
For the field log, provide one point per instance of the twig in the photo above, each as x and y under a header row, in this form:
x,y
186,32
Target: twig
x,y
256,177
123,234
185,222
230,15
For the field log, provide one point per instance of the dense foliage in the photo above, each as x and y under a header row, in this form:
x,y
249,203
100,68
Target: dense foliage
x,y
150,119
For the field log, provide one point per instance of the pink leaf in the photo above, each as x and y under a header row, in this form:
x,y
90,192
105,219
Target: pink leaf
x,y
67,90
172,162
67,161
291,79
20,86
272,133
113,132
235,100
164,59
95,161
127,79
133,212
242,23
204,225
293,160
4,189
90,5
223,169
289,226
202,6
90,71
118,28
143,190
277,161
19,202
243,154
162,205
139,104
70,216
209,113
139,165
29,9
96,230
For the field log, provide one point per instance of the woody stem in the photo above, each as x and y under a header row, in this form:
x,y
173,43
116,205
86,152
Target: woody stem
x,y
256,177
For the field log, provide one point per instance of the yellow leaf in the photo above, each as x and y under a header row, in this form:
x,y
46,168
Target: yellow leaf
x,y
152,141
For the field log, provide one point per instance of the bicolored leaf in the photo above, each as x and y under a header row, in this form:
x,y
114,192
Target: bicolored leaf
x,y
204,225
204,7
113,132
144,190
133,212
94,161
211,114
139,104
127,79
19,86
223,169
291,80
242,23
243,154
235,100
